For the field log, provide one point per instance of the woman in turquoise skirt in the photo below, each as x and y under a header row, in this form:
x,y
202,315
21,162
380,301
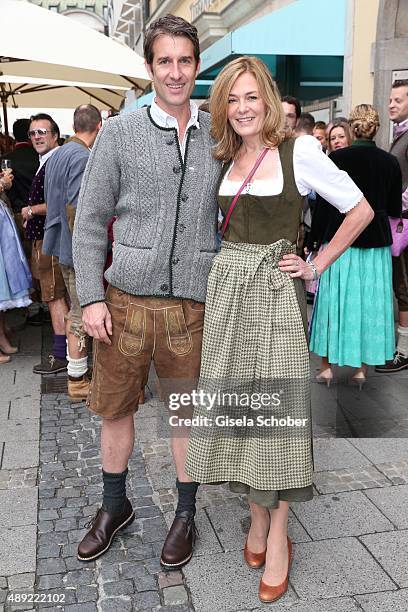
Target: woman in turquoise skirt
x,y
353,322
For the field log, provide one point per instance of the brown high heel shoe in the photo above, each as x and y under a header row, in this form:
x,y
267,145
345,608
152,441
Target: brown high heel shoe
x,y
269,593
254,560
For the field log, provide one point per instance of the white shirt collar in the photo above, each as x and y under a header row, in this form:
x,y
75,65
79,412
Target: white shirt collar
x,y
403,122
163,119
43,158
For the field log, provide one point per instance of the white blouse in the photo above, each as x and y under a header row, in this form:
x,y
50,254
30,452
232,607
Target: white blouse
x,y
313,171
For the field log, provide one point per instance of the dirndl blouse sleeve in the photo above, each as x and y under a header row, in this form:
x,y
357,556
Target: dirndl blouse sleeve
x,y
314,171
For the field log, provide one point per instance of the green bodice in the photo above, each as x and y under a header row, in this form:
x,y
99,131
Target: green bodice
x,y
266,219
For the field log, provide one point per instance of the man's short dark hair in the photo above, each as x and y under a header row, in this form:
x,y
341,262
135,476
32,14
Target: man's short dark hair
x,y
170,25
295,102
20,129
400,83
320,125
44,117
86,118
306,123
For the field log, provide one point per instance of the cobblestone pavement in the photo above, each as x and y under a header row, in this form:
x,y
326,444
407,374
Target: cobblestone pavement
x,y
350,543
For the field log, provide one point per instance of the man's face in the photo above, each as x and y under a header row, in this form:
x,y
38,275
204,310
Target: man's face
x,y
41,136
173,71
398,106
290,115
320,134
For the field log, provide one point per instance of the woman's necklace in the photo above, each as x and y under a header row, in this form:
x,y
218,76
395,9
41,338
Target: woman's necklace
x,y
250,183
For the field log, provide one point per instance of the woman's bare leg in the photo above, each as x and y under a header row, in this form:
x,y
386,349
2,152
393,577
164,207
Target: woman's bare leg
x,y
276,565
4,341
258,531
324,364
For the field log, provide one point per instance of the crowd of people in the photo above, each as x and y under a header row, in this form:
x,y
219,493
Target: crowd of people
x,y
289,199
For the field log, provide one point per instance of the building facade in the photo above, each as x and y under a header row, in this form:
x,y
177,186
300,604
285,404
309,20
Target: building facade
x,y
307,64
338,54
92,13
390,58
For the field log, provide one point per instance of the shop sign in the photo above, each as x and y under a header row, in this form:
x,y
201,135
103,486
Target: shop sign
x,y
199,7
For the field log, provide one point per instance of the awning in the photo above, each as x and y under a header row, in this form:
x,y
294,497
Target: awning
x,y
302,43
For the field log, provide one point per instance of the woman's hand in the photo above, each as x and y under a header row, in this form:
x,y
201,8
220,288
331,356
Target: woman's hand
x,y
6,180
296,267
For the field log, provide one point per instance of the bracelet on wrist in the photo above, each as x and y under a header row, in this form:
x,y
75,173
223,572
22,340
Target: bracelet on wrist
x,y
314,270
30,211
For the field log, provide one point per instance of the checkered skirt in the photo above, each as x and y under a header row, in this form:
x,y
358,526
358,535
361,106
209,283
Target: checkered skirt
x,y
254,342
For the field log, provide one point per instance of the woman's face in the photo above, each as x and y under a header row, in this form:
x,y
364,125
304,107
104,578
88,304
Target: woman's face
x,y
246,109
338,139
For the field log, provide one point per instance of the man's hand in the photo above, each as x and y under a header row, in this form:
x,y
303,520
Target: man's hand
x,y
98,322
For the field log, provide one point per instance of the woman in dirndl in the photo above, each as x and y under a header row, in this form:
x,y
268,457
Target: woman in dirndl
x,y
252,425
353,316
15,276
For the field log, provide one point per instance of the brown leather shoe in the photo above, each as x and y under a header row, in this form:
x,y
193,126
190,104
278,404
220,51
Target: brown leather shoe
x,y
78,388
104,527
268,592
254,560
179,545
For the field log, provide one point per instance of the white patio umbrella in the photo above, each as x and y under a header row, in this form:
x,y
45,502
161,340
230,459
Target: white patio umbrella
x,y
48,60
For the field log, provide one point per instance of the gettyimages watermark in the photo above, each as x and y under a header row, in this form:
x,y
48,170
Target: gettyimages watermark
x,y
286,407
208,401
205,399
235,407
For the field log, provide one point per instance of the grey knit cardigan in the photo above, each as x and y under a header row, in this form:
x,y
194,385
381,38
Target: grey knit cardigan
x,y
165,234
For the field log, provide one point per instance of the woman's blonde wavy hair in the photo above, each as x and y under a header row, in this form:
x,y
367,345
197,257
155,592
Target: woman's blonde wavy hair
x,y
228,141
364,121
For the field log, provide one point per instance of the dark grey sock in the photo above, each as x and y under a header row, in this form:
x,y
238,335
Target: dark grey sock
x,y
114,491
186,496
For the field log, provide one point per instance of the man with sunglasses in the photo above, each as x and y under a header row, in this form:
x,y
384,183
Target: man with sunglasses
x,y
44,134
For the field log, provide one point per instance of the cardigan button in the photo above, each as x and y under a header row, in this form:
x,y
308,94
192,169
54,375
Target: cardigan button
x,y
176,169
170,141
175,260
164,287
184,197
181,227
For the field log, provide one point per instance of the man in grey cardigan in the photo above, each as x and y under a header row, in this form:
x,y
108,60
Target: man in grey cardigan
x,y
154,170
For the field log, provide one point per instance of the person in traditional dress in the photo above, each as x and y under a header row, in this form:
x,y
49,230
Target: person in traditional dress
x,y
353,318
15,277
255,361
